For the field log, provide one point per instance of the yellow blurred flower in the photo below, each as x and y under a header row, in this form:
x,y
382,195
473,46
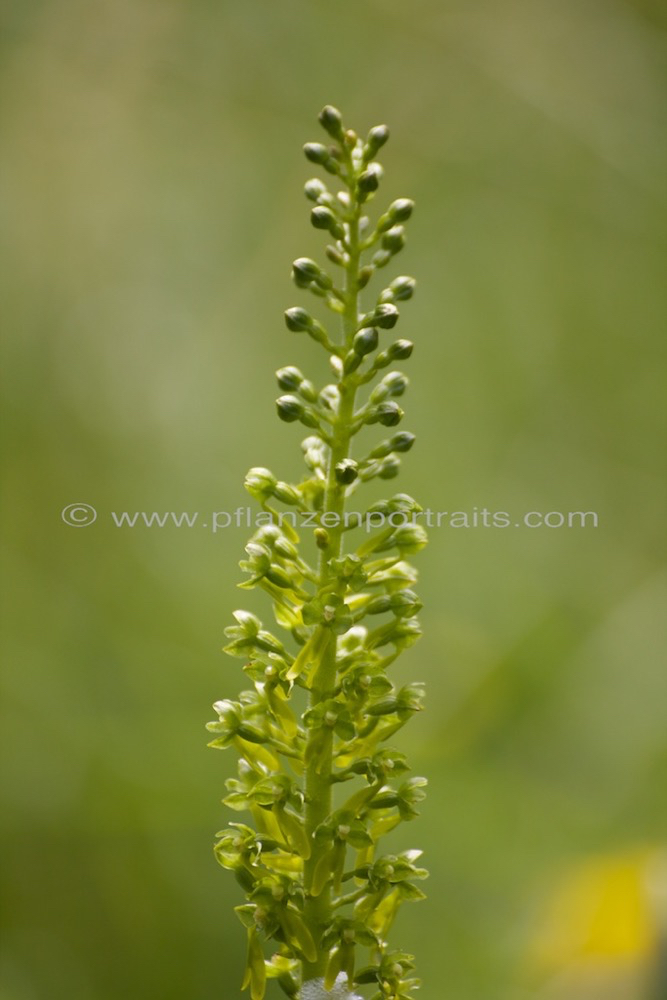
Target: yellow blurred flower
x,y
604,924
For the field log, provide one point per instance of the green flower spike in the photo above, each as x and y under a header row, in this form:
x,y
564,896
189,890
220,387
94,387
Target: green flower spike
x,y
321,894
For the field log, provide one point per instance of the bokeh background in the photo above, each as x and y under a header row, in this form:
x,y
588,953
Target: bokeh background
x,y
151,207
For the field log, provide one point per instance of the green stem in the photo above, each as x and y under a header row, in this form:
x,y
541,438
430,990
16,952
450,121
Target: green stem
x,y
318,910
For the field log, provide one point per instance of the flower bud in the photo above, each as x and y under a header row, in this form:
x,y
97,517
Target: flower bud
x,y
289,408
307,391
403,441
365,275
375,140
347,471
314,189
332,122
393,384
329,398
402,288
314,452
297,319
304,270
369,181
269,533
400,350
379,393
400,210
321,538
260,482
316,152
326,157
408,538
378,605
394,239
322,217
286,493
385,315
386,413
390,468
380,450
396,383
351,362
289,378
365,341
381,258
336,256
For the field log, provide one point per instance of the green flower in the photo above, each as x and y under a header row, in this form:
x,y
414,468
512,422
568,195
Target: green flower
x,y
329,611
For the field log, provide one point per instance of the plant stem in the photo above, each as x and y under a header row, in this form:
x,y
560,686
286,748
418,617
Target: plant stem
x,y
318,910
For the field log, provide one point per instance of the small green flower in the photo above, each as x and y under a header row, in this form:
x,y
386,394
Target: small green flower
x,y
329,611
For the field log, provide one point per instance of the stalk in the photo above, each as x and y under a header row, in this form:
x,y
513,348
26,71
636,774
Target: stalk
x,y
318,787
319,891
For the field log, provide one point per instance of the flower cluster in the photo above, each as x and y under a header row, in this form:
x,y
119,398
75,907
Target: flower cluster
x,y
317,773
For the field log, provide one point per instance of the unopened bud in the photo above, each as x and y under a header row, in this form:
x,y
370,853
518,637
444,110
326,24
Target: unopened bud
x,y
365,275
403,288
396,383
289,408
381,258
314,189
297,319
365,341
307,391
336,256
369,181
401,209
316,152
332,122
287,494
321,538
289,378
323,218
304,270
347,471
376,138
386,413
400,350
394,239
260,482
385,315
390,468
403,441
351,362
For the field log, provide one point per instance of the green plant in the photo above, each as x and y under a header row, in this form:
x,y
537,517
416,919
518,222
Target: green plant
x,y
315,771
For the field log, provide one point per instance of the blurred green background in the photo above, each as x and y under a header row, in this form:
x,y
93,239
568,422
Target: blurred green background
x,y
151,206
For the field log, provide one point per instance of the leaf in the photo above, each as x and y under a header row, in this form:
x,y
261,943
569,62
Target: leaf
x,y
255,970
360,798
281,710
334,967
302,661
322,873
297,934
293,831
382,916
409,891
259,757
